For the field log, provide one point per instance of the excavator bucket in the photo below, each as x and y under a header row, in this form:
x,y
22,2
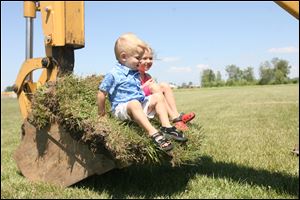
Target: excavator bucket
x,y
51,155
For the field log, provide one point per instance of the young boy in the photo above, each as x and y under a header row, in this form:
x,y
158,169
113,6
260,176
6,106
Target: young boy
x,y
122,84
149,86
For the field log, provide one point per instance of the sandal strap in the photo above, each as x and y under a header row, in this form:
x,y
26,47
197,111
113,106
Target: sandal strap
x,y
155,135
158,137
178,119
187,117
160,140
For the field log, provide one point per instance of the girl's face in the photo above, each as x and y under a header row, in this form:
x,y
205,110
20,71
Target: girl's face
x,y
146,61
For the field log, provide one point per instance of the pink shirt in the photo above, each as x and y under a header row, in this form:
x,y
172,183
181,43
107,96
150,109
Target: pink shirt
x,y
146,89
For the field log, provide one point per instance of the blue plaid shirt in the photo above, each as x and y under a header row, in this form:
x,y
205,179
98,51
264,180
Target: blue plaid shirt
x,y
122,85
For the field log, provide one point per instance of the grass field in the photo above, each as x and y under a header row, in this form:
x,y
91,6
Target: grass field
x,y
248,135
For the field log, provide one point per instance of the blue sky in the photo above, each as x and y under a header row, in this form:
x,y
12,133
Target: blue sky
x,y
186,36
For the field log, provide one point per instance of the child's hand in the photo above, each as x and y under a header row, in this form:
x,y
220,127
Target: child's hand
x,y
149,82
101,113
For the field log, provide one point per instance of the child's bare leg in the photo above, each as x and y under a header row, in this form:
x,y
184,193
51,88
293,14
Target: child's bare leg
x,y
135,111
171,113
158,103
155,88
168,93
170,99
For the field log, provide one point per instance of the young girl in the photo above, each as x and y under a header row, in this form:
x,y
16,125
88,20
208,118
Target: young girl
x,y
149,86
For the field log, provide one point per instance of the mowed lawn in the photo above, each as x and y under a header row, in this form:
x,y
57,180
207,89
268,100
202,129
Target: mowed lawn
x,y
249,133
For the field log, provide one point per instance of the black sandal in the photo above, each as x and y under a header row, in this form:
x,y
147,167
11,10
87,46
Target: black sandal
x,y
178,119
160,141
173,133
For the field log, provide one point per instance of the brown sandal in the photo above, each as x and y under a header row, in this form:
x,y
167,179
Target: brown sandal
x,y
160,141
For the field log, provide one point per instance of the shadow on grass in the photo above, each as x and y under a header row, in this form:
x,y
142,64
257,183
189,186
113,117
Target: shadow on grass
x,y
164,181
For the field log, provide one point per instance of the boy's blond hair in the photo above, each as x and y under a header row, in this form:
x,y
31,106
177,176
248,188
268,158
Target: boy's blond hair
x,y
130,44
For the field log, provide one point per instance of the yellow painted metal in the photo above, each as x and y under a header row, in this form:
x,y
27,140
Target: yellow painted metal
x,y
47,75
29,9
25,104
290,6
63,23
53,21
75,24
25,89
27,67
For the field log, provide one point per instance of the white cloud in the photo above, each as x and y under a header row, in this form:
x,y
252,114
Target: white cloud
x,y
170,59
201,67
180,69
284,50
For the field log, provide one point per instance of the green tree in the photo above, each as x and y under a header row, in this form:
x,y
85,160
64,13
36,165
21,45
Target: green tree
x,y
266,73
281,70
219,81
207,78
279,77
219,77
234,73
277,73
9,89
248,75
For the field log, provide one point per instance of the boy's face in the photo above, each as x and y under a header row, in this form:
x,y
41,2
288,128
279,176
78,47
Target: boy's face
x,y
133,61
146,61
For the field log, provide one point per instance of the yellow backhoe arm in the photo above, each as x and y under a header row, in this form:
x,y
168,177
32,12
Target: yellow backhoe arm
x,y
63,27
290,6
51,154
25,88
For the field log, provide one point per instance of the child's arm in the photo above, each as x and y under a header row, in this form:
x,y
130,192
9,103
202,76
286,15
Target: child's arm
x,y
149,81
148,76
101,96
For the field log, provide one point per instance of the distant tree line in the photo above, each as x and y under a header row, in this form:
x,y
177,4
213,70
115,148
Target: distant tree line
x,y
274,72
9,89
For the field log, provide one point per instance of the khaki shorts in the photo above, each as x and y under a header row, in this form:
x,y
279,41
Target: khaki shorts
x,y
121,110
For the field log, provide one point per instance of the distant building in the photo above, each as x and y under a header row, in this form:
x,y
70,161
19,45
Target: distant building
x,y
196,86
173,86
8,95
